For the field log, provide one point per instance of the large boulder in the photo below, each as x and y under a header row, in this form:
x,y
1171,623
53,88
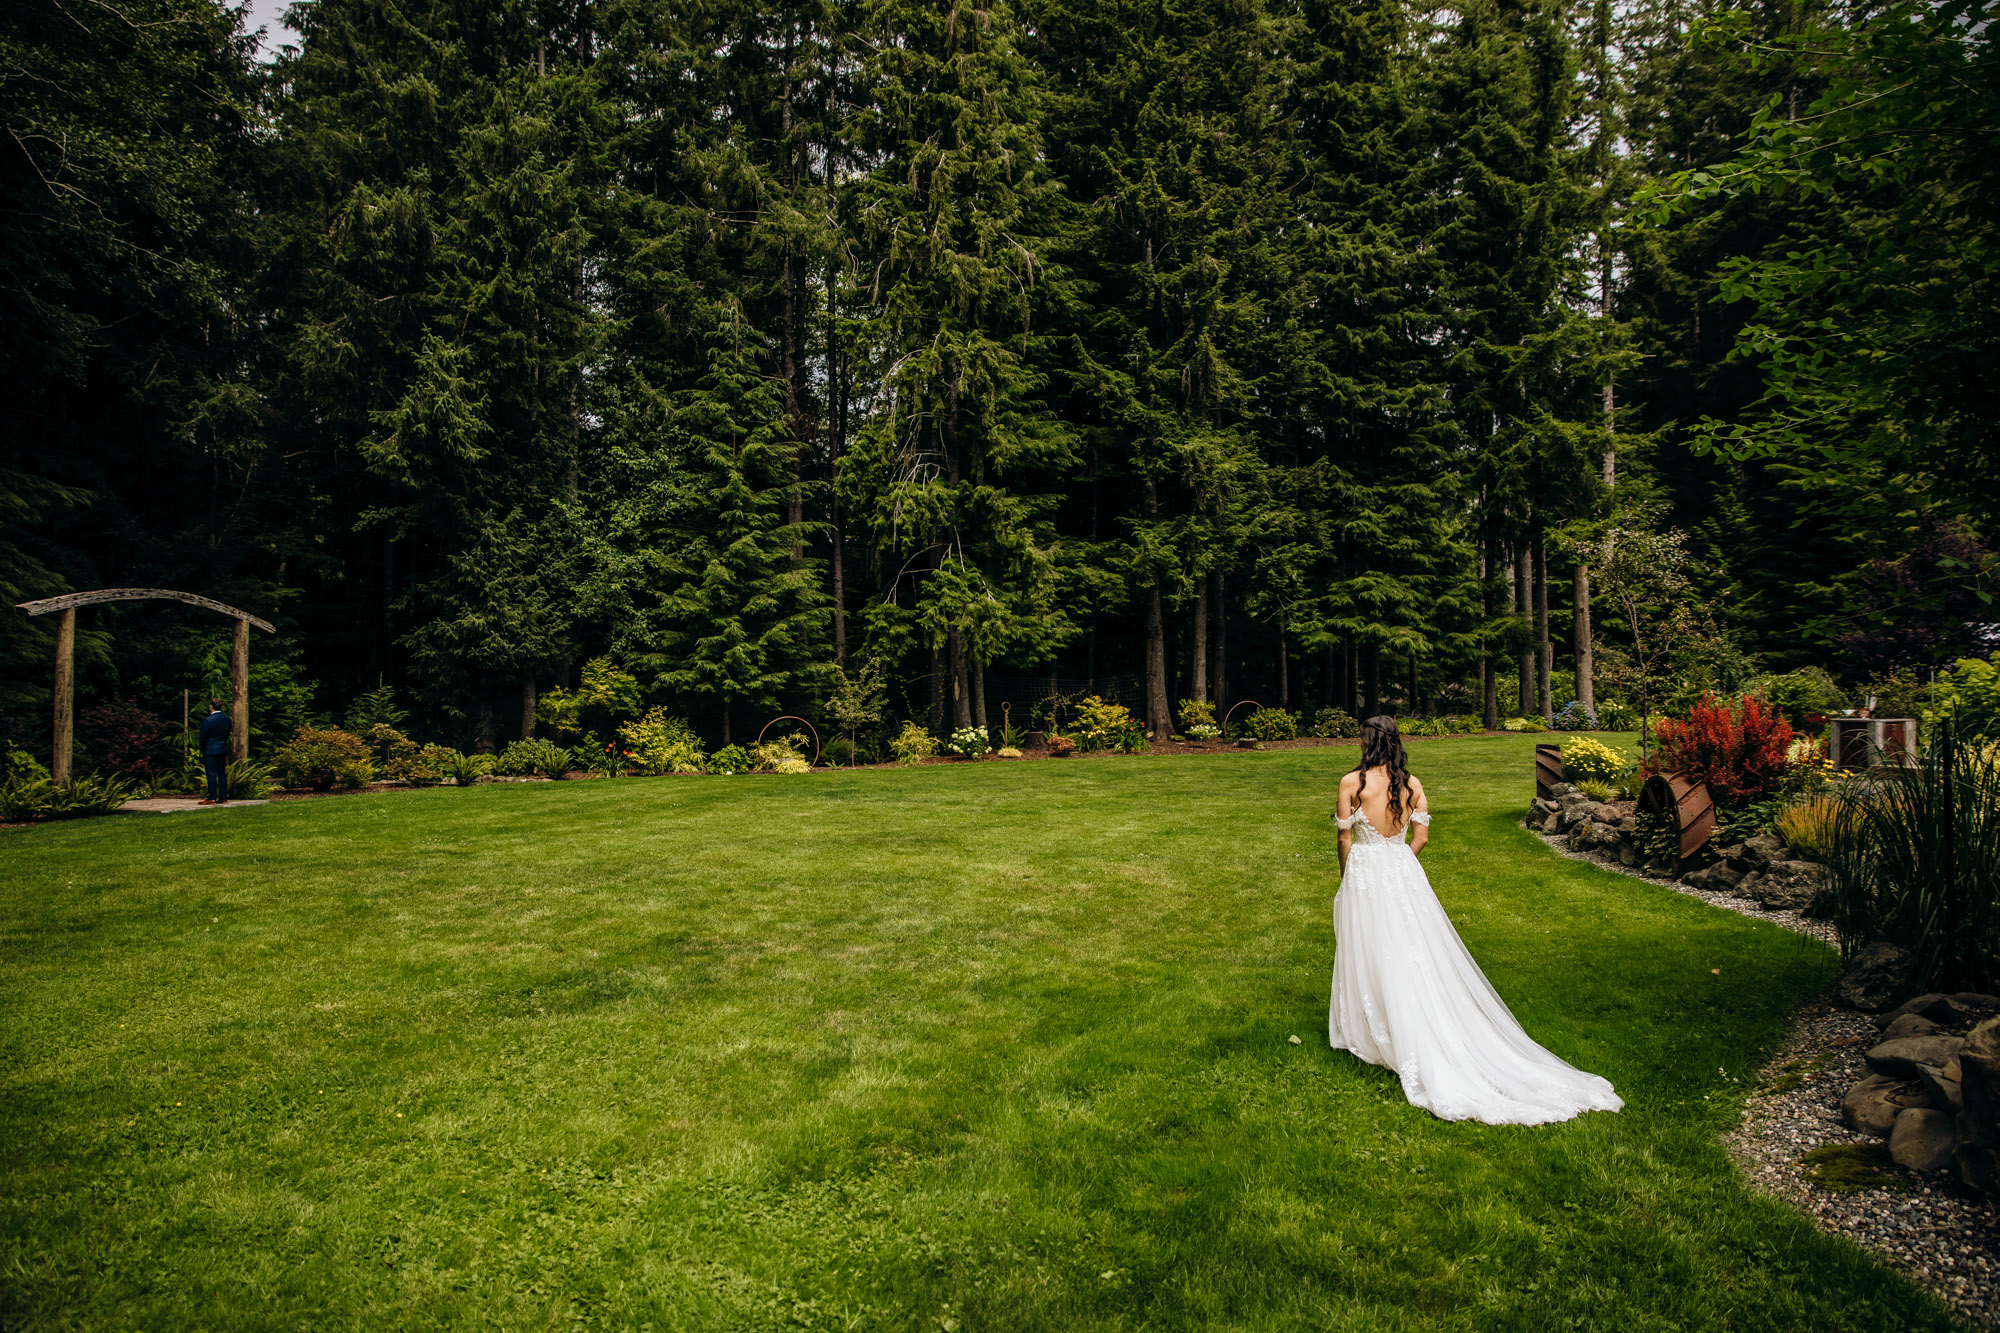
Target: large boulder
x,y
1872,1105
1594,837
1977,1155
1542,808
1875,976
1922,1140
1574,813
1786,885
1758,852
1933,1006
1910,1025
1718,878
1900,1058
1944,1085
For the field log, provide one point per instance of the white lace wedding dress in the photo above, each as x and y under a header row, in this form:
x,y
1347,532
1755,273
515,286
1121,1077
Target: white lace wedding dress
x,y
1407,996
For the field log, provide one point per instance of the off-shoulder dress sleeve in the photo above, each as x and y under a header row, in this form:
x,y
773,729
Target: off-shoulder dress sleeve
x,y
1421,817
1348,822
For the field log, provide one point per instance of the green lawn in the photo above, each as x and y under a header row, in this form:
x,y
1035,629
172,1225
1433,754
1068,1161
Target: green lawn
x,y
986,1047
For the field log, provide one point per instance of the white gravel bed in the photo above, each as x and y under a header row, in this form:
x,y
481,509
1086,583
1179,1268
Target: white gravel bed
x,y
1934,1233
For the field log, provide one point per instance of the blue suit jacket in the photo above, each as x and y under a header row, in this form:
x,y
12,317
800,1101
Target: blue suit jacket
x,y
215,735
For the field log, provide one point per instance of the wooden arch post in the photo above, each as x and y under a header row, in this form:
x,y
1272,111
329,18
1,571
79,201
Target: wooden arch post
x,y
63,721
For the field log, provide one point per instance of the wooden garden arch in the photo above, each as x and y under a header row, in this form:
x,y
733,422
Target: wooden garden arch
x,y
239,663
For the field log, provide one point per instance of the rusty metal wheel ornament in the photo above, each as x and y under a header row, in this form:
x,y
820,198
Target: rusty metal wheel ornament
x,y
1232,713
1688,808
792,717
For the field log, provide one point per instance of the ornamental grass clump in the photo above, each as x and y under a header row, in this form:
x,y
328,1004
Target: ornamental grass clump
x,y
1913,858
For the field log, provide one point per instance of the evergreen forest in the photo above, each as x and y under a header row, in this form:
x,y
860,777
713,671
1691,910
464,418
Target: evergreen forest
x,y
1506,358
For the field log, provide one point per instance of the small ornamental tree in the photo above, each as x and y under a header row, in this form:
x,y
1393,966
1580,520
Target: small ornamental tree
x,y
1739,750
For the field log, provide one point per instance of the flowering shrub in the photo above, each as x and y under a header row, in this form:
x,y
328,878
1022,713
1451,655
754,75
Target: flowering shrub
x,y
321,757
657,743
1335,723
913,745
1576,716
1738,750
1584,758
1204,731
1195,713
1273,724
1107,726
966,742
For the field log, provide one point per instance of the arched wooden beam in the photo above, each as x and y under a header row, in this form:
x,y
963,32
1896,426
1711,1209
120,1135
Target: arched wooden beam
x,y
71,600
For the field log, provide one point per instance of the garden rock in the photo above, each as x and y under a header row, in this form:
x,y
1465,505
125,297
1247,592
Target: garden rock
x,y
1975,1006
1875,976
1628,855
1900,1058
1758,852
1943,1085
1978,1153
1872,1105
1933,1006
1909,1025
1922,1140
1787,885
1542,808
1718,878
1553,824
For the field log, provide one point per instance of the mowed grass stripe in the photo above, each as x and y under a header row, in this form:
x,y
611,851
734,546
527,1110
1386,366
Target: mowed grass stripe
x,y
996,1047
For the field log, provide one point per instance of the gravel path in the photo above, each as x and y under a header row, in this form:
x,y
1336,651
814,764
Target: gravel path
x,y
1933,1233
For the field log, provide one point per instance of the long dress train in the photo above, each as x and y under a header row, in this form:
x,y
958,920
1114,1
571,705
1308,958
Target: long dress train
x,y
1409,997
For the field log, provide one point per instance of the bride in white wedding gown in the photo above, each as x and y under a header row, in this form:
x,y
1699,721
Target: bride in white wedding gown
x,y
1406,993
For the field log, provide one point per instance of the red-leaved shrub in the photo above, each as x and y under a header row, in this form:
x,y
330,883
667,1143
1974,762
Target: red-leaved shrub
x,y
1738,750
123,738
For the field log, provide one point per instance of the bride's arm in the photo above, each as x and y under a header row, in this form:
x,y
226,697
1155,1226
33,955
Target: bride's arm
x,y
1421,833
1344,809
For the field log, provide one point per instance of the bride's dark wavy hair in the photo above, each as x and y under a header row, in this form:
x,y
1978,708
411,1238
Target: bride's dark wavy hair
x,y
1382,747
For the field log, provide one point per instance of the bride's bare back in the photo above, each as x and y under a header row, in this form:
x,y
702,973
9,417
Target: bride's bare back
x,y
1373,799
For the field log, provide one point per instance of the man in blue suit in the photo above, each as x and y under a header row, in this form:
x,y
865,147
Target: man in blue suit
x,y
215,752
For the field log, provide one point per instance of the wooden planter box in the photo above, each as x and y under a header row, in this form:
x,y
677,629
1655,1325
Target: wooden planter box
x,y
1869,742
1548,770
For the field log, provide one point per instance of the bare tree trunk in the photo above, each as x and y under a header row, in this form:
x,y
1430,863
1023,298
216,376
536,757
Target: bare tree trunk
x,y
1489,678
725,722
1329,672
1284,674
979,695
1221,671
1198,658
1544,650
1374,701
1586,687
1524,608
1159,711
482,736
527,707
937,688
961,695
1416,693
